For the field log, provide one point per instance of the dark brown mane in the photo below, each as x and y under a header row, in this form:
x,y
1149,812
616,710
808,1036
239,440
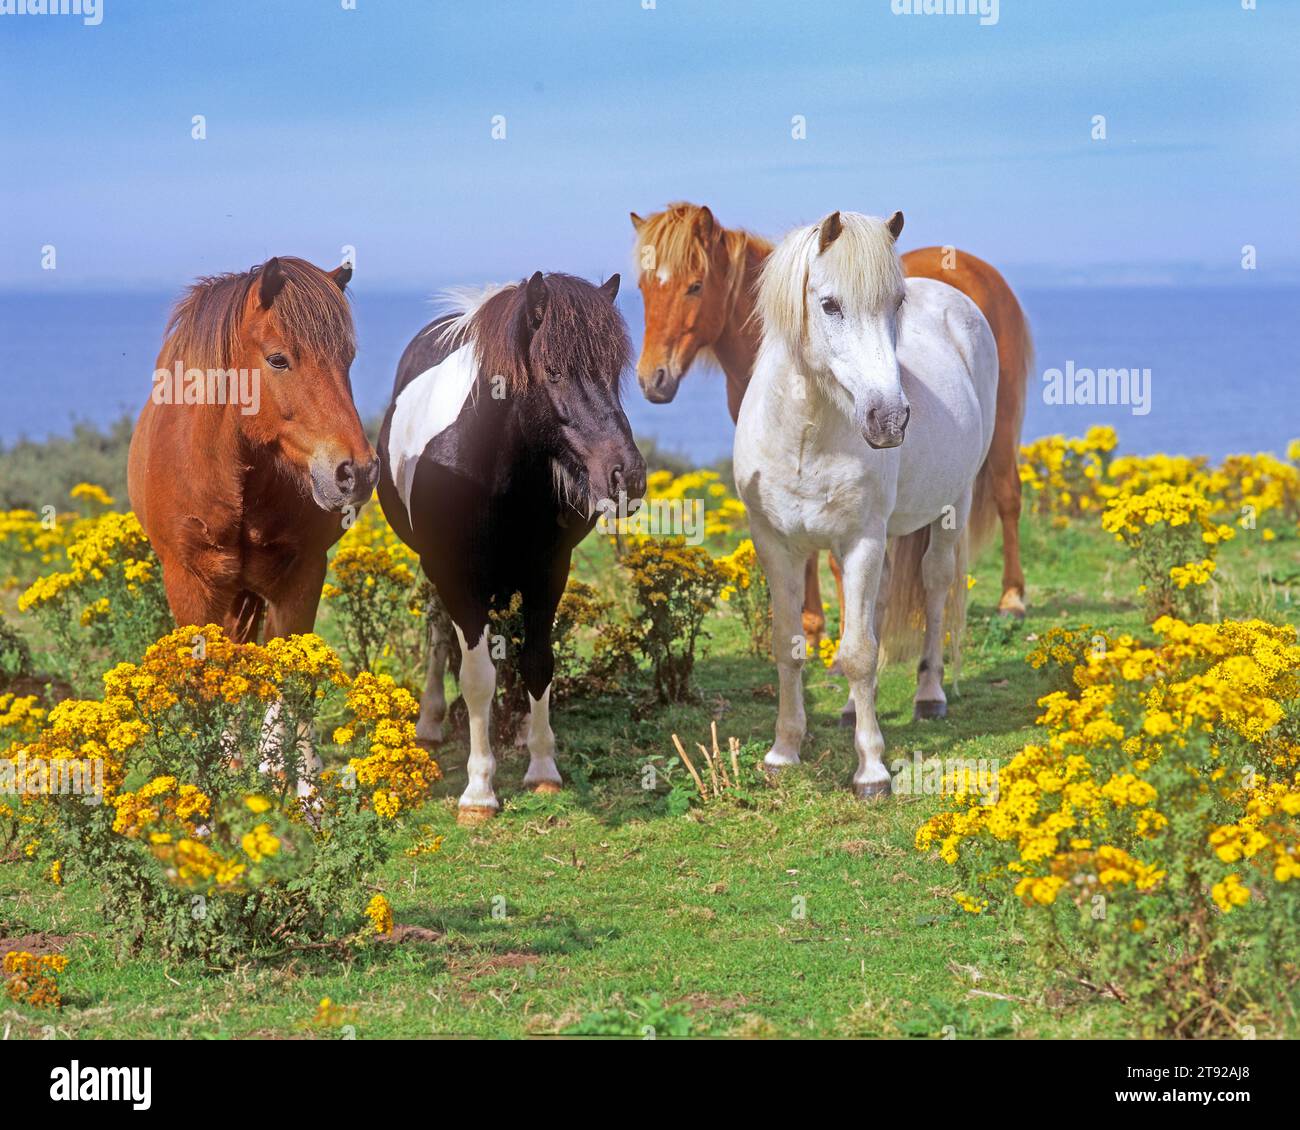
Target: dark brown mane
x,y
582,333
205,325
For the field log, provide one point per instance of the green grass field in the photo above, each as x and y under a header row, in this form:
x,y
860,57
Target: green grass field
x,y
601,911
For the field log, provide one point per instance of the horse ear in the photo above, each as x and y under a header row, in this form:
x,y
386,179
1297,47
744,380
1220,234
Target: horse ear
x,y
609,288
535,299
705,224
272,281
342,275
637,222
830,232
895,224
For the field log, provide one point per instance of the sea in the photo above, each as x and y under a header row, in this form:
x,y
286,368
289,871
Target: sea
x,y
1216,370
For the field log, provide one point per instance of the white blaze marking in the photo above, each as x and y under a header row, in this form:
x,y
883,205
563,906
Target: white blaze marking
x,y
425,407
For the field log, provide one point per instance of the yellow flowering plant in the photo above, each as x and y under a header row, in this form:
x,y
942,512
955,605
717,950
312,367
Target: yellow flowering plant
x,y
746,593
108,603
207,829
1060,474
676,587
374,590
33,980
1173,538
1150,840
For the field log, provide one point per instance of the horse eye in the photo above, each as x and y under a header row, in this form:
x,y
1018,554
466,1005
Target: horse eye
x,y
830,306
695,288
278,361
552,376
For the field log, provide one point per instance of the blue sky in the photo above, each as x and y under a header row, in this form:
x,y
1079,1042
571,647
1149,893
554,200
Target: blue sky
x,y
372,127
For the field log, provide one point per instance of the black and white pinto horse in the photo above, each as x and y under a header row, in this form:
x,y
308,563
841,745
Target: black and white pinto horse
x,y
504,438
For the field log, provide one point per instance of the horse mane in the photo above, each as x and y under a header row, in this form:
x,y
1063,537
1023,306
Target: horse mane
x,y
204,329
870,272
581,332
677,248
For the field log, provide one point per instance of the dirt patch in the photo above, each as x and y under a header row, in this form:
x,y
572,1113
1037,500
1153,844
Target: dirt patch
x,y
706,1002
403,934
485,966
36,944
47,688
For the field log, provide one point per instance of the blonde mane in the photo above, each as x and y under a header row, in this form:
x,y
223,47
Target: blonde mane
x,y
868,267
676,248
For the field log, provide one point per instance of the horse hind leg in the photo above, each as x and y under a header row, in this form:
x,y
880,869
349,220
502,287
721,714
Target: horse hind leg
x,y
938,574
1006,497
814,616
789,647
433,703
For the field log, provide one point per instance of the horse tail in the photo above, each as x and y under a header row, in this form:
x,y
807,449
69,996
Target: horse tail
x,y
902,629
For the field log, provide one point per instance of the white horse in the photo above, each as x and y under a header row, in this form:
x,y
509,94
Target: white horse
x,y
854,360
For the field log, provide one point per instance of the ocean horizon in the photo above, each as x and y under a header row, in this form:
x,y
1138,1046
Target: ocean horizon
x,y
1220,373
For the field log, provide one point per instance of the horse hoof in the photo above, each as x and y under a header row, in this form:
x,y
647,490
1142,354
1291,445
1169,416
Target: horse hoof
x,y
546,788
873,790
928,709
1011,606
473,815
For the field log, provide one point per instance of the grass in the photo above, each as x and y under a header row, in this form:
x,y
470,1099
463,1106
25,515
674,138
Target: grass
x,y
800,913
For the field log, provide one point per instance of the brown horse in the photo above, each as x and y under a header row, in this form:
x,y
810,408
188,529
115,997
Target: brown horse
x,y
250,453
698,280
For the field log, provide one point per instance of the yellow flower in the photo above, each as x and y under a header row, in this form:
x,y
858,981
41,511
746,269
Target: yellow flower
x,y
260,844
380,915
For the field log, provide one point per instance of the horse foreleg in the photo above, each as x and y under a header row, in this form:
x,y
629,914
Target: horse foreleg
x,y
938,572
291,610
537,665
433,703
848,716
864,566
478,681
814,617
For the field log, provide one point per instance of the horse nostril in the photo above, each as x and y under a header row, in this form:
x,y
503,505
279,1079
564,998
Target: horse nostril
x,y
616,481
661,377
345,475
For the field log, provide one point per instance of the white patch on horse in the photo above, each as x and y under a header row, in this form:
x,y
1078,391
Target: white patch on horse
x,y
425,407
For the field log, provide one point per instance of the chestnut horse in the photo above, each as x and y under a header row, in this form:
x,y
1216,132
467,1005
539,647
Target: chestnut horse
x,y
249,453
698,281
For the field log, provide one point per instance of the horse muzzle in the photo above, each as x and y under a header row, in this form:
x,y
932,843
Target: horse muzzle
x,y
659,384
884,431
336,485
